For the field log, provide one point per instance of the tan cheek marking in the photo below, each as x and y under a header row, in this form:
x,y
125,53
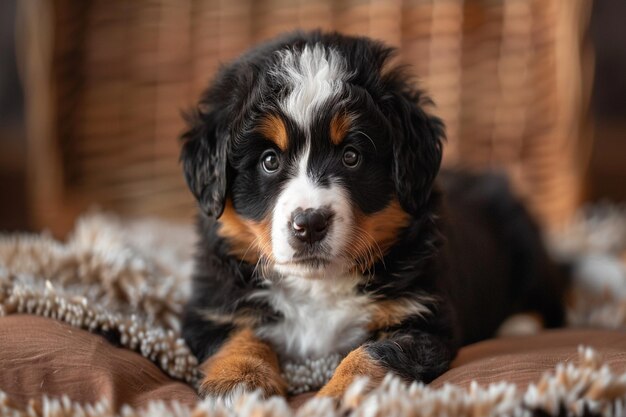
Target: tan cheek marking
x,y
376,233
274,129
357,363
383,226
248,239
339,127
243,359
389,313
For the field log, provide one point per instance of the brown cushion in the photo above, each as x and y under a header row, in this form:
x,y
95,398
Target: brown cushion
x,y
39,355
522,360
44,356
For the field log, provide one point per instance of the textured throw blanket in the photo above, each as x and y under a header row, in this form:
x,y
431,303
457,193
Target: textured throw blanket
x,y
128,280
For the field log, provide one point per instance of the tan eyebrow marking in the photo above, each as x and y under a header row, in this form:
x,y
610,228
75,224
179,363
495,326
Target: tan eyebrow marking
x,y
339,127
273,128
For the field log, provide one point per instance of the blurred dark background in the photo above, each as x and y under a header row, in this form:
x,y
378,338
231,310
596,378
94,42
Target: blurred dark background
x,y
607,171
13,194
91,93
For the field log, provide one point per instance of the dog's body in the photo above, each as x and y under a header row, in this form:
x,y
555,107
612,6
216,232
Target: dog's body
x,y
323,229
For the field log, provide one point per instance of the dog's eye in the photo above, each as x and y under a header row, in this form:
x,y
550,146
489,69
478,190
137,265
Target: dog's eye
x,y
351,158
270,162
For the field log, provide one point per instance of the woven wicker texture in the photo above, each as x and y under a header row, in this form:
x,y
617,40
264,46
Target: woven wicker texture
x,y
505,76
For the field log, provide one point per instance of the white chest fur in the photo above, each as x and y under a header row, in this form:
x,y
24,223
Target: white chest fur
x,y
321,317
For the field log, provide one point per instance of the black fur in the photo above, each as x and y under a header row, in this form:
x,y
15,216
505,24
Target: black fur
x,y
470,249
204,158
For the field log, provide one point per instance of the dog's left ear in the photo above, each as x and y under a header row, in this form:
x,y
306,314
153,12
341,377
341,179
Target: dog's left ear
x,y
417,149
204,159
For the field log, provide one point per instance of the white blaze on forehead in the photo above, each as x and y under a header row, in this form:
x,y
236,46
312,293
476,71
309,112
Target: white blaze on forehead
x,y
312,76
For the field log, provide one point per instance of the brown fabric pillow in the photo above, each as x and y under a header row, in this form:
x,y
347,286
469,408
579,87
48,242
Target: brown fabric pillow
x,y
43,356
524,359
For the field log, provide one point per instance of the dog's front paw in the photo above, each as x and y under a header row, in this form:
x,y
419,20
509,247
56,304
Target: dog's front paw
x,y
357,364
227,378
226,397
243,364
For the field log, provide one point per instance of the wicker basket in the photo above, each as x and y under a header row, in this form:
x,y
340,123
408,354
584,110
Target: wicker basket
x,y
105,96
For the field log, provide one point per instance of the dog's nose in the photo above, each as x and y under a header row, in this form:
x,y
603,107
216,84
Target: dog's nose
x,y
310,225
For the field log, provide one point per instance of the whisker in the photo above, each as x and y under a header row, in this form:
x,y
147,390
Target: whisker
x,y
367,136
364,250
362,253
254,242
375,243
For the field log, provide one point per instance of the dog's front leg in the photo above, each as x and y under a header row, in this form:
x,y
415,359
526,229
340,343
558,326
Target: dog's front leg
x,y
359,362
418,355
243,363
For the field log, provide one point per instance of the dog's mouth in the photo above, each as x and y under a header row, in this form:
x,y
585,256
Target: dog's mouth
x,y
314,262
307,267
307,261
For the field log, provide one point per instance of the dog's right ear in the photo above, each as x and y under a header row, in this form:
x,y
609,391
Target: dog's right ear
x,y
204,159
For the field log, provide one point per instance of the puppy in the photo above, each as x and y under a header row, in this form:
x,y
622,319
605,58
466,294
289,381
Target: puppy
x,y
325,228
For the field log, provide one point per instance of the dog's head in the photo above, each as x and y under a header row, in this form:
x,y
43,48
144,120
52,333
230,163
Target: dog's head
x,y
313,153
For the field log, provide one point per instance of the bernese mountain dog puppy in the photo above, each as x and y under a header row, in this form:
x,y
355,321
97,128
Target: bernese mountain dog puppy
x,y
326,228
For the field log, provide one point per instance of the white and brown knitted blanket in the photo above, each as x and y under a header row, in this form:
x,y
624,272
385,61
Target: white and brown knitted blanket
x,y
130,277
